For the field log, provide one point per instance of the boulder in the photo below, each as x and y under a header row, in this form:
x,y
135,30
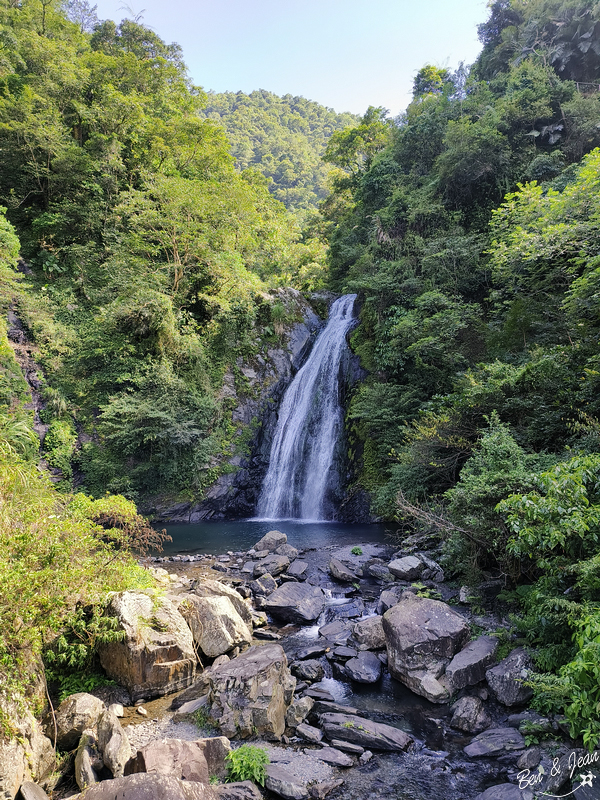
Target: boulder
x,y
309,733
113,744
495,742
365,668
374,735
298,711
354,607
215,624
298,569
505,791
309,671
271,541
251,694
406,569
148,787
242,790
287,550
368,633
422,636
335,757
76,713
208,588
31,791
340,572
296,602
337,631
320,790
432,571
387,599
470,715
313,651
263,586
88,760
157,655
343,653
380,572
469,665
178,758
273,564
283,783
506,680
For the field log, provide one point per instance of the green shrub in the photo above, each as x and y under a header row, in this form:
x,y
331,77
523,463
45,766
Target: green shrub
x,y
247,763
356,551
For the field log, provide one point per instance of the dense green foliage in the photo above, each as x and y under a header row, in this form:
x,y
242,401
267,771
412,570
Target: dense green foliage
x,y
247,763
469,228
283,137
151,255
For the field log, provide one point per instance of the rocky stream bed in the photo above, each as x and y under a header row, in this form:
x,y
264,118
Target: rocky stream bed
x,y
361,672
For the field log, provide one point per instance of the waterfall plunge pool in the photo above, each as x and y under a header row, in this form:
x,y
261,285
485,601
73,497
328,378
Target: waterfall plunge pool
x,y
218,537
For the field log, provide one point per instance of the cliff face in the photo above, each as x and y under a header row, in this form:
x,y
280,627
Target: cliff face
x,y
253,389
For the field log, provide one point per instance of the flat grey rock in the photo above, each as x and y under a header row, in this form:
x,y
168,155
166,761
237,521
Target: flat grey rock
x,y
283,783
296,602
365,668
495,742
335,757
372,735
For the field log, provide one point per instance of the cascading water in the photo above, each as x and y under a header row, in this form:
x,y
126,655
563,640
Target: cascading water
x,y
301,464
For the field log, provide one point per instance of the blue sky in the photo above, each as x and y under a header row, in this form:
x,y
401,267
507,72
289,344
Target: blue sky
x,y
345,54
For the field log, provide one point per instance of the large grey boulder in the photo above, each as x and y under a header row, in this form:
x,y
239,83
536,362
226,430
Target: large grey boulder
x,y
270,541
76,713
341,572
148,787
422,636
296,602
251,694
283,783
273,564
469,715
263,586
157,654
113,743
88,760
469,665
407,568
369,634
372,735
298,569
310,670
209,588
196,760
495,742
215,624
31,791
365,668
298,711
507,679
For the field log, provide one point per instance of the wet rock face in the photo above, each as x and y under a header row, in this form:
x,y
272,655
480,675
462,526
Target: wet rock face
x,y
470,715
495,742
251,694
157,655
422,636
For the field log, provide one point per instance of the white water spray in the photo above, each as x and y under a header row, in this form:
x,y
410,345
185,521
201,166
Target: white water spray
x,y
301,464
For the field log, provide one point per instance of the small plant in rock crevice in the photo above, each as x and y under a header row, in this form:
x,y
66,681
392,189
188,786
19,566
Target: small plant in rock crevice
x,y
356,551
247,763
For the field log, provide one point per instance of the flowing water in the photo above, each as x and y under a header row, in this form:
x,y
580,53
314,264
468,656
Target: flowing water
x,y
302,469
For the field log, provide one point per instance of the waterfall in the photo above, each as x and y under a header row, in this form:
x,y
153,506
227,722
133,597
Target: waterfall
x,y
301,464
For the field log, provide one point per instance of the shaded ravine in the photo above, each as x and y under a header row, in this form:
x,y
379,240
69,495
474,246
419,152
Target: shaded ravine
x,y
302,470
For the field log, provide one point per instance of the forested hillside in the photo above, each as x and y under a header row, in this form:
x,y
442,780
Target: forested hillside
x,y
148,257
283,137
469,227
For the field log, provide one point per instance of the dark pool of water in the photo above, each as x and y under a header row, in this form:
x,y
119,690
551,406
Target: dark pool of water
x,y
218,537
